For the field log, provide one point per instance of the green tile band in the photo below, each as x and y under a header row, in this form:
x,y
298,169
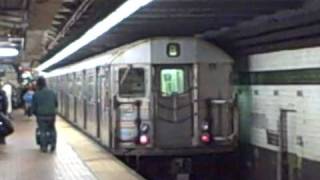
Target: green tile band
x,y
304,76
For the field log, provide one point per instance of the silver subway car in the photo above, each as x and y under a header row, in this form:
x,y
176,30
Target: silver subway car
x,y
159,96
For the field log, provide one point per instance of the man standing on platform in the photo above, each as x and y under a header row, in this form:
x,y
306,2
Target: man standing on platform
x,y
44,104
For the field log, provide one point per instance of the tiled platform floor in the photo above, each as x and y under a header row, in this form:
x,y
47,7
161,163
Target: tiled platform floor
x,y
76,156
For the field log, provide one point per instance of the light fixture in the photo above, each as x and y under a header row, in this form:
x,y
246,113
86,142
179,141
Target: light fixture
x,y
8,52
205,126
92,62
173,50
124,11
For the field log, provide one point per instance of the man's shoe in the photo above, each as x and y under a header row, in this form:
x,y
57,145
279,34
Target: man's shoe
x,y
43,149
52,148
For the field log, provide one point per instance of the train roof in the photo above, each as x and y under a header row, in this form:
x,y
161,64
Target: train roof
x,y
160,50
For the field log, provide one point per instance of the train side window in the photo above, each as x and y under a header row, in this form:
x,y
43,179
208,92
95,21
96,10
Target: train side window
x,y
70,83
172,82
132,82
78,86
91,88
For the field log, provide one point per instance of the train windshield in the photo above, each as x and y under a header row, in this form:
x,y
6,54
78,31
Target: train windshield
x,y
172,82
131,82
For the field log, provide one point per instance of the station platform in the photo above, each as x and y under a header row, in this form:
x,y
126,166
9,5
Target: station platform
x,y
76,156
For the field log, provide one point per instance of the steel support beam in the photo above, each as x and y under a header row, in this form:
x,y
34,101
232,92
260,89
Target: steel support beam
x,y
14,19
74,18
13,25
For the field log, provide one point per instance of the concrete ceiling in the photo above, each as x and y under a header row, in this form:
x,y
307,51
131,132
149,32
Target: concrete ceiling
x,y
288,29
41,14
13,17
224,22
24,22
13,24
239,26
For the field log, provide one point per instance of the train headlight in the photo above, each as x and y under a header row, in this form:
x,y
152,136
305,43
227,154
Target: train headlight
x,y
144,128
205,126
143,139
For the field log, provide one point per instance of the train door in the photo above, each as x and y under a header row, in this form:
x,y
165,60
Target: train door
x,y
131,103
104,105
173,107
91,106
59,94
65,97
74,97
61,105
71,97
73,102
79,99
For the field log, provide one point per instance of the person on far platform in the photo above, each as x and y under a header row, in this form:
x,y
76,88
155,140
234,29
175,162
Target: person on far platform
x,y
7,88
27,97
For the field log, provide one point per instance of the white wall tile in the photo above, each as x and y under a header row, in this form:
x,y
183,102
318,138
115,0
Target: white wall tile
x,y
305,122
284,60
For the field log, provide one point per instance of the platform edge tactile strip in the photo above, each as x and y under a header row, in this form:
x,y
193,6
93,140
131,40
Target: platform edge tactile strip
x,y
21,159
101,163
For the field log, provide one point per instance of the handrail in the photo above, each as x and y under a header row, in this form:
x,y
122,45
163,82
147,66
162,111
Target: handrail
x,y
235,119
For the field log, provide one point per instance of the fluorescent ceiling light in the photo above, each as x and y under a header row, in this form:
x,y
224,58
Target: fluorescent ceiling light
x,y
8,52
124,11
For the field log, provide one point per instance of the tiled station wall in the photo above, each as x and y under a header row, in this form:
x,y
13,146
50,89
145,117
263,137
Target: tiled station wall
x,y
287,79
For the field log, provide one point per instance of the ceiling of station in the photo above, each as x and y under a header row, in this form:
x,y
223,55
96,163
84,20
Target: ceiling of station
x,y
215,20
239,26
13,17
74,18
287,29
23,22
13,20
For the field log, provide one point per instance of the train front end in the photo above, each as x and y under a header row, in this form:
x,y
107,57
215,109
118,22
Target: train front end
x,y
179,102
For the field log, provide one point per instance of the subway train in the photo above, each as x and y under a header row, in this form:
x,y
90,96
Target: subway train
x,y
153,97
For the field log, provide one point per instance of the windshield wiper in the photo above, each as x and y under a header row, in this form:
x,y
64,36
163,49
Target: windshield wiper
x,y
125,75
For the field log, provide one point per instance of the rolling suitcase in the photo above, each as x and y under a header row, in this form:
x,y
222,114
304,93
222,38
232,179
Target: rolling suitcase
x,y
46,137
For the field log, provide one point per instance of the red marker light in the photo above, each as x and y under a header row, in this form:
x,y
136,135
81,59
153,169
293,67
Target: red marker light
x,y
205,138
144,139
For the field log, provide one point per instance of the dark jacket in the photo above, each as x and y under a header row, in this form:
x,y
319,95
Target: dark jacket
x,y
3,102
44,102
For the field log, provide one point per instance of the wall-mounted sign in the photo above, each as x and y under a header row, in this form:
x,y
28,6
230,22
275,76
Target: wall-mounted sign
x,y
173,50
